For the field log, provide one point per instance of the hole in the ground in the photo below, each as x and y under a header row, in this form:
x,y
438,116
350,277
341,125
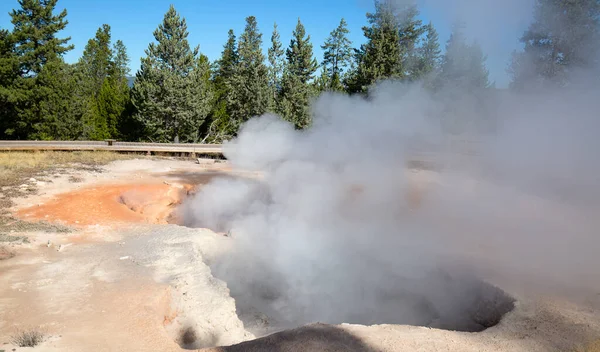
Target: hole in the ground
x,y
188,338
286,271
438,300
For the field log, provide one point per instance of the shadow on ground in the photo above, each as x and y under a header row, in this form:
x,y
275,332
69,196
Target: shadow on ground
x,y
314,337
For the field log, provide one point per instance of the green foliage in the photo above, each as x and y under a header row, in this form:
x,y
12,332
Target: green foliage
x,y
40,92
170,94
381,56
462,84
35,29
411,30
463,64
229,57
52,109
9,71
428,55
276,67
337,56
299,71
179,96
323,82
300,60
220,127
249,93
564,37
119,93
103,91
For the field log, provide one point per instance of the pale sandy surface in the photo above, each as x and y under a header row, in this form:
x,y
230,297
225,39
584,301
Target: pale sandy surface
x,y
142,285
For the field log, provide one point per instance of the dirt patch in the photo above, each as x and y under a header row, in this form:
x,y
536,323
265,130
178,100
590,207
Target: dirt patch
x,y
6,252
108,204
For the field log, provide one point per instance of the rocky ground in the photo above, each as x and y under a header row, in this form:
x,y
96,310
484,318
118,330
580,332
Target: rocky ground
x,y
93,259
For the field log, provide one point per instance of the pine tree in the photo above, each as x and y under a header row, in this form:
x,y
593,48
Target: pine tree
x,y
95,65
411,30
103,90
563,38
220,126
167,94
337,55
121,59
118,115
9,71
463,64
249,86
323,82
461,85
428,55
35,29
229,57
41,91
300,60
56,85
381,56
201,78
299,71
276,66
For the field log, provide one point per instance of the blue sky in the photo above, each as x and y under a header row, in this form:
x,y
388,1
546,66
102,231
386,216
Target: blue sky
x,y
133,21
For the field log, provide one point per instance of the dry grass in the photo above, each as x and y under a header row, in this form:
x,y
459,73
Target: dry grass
x,y
28,338
75,179
10,238
9,223
15,163
17,167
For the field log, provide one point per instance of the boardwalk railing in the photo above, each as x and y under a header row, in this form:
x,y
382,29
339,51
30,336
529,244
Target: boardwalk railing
x,y
454,153
214,149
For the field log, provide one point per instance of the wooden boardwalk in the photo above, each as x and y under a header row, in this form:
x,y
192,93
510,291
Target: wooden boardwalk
x,y
205,149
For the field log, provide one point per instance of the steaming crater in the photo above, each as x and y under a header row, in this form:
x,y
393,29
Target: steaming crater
x,y
285,272
437,299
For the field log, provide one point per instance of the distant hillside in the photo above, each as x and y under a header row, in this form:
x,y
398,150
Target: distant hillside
x,y
130,81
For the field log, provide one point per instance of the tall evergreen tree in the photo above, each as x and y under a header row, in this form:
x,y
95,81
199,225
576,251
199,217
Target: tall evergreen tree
x,y
96,65
121,59
299,71
411,30
114,97
35,29
428,55
201,77
322,83
463,64
381,56
461,85
102,91
564,37
229,57
41,91
249,87
221,126
276,66
9,71
97,58
168,96
300,60
337,55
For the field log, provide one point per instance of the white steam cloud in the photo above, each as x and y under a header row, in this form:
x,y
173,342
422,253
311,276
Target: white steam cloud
x,y
338,229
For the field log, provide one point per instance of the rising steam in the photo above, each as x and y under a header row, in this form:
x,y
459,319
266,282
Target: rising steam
x,y
338,229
